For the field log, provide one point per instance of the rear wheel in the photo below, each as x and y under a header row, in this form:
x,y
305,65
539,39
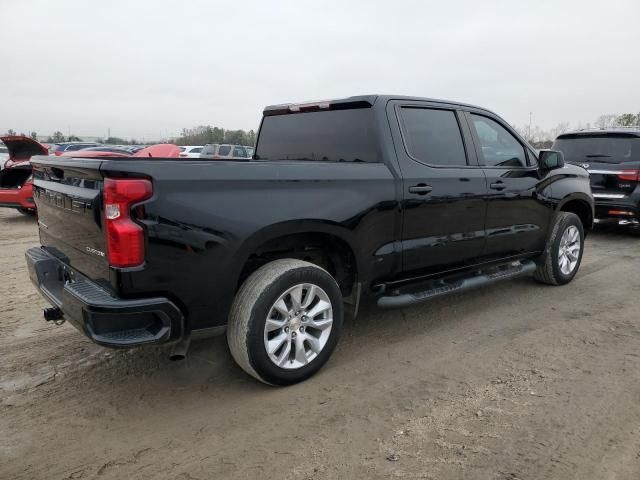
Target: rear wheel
x,y
285,321
564,250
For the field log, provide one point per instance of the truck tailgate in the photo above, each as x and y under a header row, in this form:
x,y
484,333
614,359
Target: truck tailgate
x,y
68,195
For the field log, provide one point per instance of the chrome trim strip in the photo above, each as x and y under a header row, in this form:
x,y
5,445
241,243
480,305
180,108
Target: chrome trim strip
x,y
608,172
609,195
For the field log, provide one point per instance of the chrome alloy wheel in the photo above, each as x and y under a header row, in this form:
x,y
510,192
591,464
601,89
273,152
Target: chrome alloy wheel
x,y
569,250
298,326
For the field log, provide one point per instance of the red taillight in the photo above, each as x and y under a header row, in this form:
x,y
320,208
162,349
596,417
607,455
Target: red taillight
x,y
629,175
621,212
125,238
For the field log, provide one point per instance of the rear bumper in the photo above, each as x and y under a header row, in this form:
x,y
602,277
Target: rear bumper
x,y
107,320
17,197
617,209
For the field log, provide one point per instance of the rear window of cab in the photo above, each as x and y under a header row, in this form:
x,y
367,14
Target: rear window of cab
x,y
325,136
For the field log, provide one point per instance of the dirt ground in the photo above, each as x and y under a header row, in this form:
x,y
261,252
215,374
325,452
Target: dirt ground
x,y
514,381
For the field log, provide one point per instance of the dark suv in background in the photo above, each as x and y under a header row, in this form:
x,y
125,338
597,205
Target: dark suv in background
x,y
612,157
61,148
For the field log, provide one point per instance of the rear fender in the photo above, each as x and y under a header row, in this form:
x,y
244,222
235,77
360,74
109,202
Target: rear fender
x,y
293,227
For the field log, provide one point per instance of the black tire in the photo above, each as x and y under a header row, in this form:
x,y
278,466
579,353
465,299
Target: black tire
x,y
251,306
27,212
548,270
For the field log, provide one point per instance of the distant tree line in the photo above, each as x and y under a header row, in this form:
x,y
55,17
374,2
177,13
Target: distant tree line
x,y
119,141
33,135
203,134
540,138
57,137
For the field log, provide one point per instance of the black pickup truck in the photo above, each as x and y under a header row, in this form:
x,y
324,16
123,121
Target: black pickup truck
x,y
392,199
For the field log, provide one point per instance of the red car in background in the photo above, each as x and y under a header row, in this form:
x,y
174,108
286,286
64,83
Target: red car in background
x,y
161,150
16,189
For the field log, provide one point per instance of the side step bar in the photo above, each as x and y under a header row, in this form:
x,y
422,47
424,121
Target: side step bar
x,y
526,267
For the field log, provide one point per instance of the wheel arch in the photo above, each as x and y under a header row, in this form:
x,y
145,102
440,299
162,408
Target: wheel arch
x,y
581,205
325,244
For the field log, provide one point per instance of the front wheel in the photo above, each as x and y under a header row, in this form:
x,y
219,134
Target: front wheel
x,y
563,254
28,212
285,321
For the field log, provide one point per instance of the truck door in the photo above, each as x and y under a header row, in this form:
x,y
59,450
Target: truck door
x,y
444,190
517,214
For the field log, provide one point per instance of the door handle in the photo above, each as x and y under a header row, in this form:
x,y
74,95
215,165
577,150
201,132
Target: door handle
x,y
420,189
498,186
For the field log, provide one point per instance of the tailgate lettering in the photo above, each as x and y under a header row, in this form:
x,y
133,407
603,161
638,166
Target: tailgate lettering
x,y
64,202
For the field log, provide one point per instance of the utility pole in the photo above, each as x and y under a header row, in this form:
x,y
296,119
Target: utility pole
x,y
530,116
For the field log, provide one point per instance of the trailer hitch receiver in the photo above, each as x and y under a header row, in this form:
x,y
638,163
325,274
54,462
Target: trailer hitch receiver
x,y
53,314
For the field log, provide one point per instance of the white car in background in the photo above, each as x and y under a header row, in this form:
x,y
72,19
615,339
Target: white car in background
x,y
190,151
4,156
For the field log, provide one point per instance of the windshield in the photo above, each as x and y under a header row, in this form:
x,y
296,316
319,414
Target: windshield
x,y
606,148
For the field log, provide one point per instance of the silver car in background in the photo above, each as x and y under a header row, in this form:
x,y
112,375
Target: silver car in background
x,y
224,151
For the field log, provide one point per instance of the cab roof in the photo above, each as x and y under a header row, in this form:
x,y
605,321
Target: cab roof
x,y
633,131
359,101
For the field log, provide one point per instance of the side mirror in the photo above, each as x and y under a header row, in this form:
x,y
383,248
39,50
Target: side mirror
x,y
551,159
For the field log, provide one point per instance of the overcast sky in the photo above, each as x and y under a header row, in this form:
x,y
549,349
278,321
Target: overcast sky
x,y
148,68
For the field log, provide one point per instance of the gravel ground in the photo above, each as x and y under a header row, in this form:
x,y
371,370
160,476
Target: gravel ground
x,y
513,381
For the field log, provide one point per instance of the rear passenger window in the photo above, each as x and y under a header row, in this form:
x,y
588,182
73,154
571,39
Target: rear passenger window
x,y
196,150
224,150
498,148
433,136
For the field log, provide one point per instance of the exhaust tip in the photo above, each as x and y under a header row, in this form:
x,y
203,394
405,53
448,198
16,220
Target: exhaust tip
x,y
179,350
